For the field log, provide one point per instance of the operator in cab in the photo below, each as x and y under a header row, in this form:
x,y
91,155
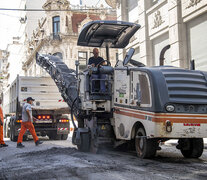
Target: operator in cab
x,y
95,61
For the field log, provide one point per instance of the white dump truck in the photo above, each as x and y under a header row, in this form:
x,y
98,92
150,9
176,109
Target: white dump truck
x,y
49,108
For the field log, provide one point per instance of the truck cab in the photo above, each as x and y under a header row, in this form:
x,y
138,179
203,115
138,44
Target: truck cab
x,y
107,34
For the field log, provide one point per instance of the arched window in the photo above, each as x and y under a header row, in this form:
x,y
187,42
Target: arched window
x,y
58,54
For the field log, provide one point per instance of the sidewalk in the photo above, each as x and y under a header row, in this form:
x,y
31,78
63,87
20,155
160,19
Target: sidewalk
x,y
173,142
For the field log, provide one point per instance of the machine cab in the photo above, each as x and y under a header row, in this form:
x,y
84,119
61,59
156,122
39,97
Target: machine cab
x,y
96,83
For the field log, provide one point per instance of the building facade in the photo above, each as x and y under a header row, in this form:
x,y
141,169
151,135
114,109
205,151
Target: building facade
x,y
4,54
182,24
28,21
57,34
32,17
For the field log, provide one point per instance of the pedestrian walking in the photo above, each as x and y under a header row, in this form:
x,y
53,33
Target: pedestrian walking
x,y
27,123
2,143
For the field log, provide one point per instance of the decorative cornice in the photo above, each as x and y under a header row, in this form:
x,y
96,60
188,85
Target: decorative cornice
x,y
56,4
193,3
157,20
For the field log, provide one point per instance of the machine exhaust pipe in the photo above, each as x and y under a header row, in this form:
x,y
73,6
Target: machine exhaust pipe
x,y
192,64
162,54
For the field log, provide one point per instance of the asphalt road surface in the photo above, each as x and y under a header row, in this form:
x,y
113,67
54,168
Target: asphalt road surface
x,y
61,160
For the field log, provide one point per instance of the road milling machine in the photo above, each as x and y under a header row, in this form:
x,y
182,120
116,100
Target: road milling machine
x,y
140,107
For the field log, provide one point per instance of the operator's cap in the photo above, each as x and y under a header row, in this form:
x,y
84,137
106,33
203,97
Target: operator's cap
x,y
30,99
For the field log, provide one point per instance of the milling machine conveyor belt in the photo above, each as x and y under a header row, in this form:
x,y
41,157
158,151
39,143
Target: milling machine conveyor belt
x,y
64,77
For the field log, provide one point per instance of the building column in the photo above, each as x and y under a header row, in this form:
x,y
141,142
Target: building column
x,y
124,10
145,43
177,35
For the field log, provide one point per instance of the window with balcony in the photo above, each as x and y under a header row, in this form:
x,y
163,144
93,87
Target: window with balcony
x,y
56,26
83,59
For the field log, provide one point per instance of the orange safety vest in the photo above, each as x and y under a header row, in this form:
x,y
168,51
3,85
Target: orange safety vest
x,y
1,127
1,114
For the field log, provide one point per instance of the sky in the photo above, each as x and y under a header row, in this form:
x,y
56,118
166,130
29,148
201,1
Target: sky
x,y
9,22
10,25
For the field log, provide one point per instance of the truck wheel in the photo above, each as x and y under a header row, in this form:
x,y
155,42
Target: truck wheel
x,y
54,136
12,133
85,142
25,138
8,134
5,130
145,148
193,148
64,136
13,137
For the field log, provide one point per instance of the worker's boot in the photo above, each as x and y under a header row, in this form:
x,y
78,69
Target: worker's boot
x,y
20,145
4,145
38,142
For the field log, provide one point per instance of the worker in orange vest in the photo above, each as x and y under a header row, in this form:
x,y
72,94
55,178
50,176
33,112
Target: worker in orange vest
x,y
27,123
2,143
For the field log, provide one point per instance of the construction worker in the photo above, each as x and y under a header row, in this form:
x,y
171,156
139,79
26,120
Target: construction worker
x,y
27,123
2,143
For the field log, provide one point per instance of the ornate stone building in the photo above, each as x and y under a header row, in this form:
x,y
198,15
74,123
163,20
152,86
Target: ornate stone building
x,y
182,24
57,34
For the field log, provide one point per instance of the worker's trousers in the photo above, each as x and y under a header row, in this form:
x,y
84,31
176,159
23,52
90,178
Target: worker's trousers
x,y
24,126
1,135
